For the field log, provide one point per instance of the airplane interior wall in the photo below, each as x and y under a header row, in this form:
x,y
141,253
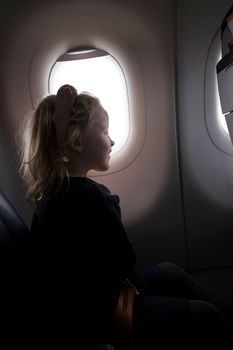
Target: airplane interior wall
x,y
207,171
176,195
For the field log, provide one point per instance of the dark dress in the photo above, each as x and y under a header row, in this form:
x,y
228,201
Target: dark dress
x,y
78,256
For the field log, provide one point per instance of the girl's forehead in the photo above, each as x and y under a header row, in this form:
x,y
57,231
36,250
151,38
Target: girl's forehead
x,y
101,116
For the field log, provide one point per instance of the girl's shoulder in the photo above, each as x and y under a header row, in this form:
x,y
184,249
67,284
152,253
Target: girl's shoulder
x,y
95,192
87,186
78,192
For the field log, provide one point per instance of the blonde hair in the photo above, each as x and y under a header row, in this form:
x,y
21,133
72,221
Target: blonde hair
x,y
42,163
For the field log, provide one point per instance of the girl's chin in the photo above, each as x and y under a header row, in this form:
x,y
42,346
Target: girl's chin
x,y
106,167
103,167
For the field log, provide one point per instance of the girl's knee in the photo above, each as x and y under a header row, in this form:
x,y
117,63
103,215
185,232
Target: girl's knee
x,y
167,265
206,313
169,268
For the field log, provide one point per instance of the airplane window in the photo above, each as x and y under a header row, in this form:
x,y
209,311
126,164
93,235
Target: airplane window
x,y
99,73
214,119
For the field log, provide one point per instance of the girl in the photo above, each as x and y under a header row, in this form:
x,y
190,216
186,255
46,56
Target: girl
x,y
78,253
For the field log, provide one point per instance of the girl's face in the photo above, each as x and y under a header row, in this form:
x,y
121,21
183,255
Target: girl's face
x,y
98,144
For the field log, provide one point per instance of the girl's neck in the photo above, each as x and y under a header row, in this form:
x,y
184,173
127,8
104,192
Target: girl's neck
x,y
75,171
77,174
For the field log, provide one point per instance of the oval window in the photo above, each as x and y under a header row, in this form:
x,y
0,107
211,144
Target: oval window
x,y
97,72
215,120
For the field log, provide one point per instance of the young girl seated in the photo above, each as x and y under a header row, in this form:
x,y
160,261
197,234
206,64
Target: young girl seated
x,y
78,255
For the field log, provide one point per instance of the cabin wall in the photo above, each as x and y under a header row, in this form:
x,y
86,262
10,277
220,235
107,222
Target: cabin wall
x,y
206,170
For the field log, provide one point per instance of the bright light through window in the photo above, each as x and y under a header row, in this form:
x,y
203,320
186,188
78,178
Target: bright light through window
x,y
102,77
221,117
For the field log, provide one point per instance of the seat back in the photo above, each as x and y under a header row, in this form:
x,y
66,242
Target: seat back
x,y
10,220
12,231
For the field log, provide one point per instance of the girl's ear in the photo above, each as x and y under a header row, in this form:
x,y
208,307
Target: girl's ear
x,y
75,139
76,144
